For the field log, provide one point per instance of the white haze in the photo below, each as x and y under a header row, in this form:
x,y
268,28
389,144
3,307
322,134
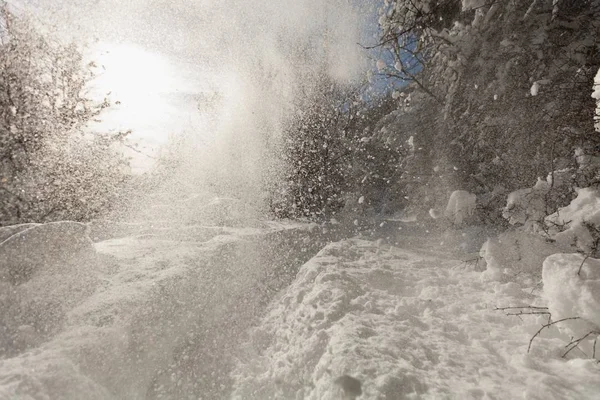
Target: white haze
x,y
228,73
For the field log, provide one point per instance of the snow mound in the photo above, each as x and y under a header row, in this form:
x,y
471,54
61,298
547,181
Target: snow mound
x,y
461,205
366,318
572,292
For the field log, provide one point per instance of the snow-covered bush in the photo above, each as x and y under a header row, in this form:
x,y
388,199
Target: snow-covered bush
x,y
461,206
578,224
527,206
332,157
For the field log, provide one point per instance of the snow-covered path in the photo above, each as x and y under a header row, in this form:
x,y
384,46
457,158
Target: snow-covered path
x,y
404,324
198,312
160,317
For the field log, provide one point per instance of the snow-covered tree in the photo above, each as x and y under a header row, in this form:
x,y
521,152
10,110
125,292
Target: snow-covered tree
x,y
49,169
512,80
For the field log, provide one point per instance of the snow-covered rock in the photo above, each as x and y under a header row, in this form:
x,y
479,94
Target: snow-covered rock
x,y
461,205
572,292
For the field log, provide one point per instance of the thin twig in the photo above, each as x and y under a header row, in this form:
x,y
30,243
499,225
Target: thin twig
x,y
575,343
529,313
519,308
581,266
548,325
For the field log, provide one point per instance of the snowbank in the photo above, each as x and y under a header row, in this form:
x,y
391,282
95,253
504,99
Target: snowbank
x,y
394,324
146,317
572,292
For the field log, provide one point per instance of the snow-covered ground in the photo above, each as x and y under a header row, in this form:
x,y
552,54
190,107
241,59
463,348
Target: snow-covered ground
x,y
152,313
237,308
371,321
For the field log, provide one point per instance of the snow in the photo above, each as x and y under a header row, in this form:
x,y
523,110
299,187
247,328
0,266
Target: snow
x,y
535,88
132,316
573,293
392,323
470,4
157,309
461,205
433,213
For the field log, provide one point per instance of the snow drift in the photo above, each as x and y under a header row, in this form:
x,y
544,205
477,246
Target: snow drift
x,y
367,318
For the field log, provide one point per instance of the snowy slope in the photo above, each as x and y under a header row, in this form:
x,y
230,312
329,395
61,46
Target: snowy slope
x,y
369,321
152,315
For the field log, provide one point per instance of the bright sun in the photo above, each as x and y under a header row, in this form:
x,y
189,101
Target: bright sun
x,y
136,79
141,87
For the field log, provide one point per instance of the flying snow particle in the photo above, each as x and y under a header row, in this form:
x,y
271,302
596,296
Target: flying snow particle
x,y
361,200
433,213
535,88
411,143
495,97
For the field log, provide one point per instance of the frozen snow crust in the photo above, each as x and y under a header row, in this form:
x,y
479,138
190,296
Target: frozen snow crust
x,y
404,325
